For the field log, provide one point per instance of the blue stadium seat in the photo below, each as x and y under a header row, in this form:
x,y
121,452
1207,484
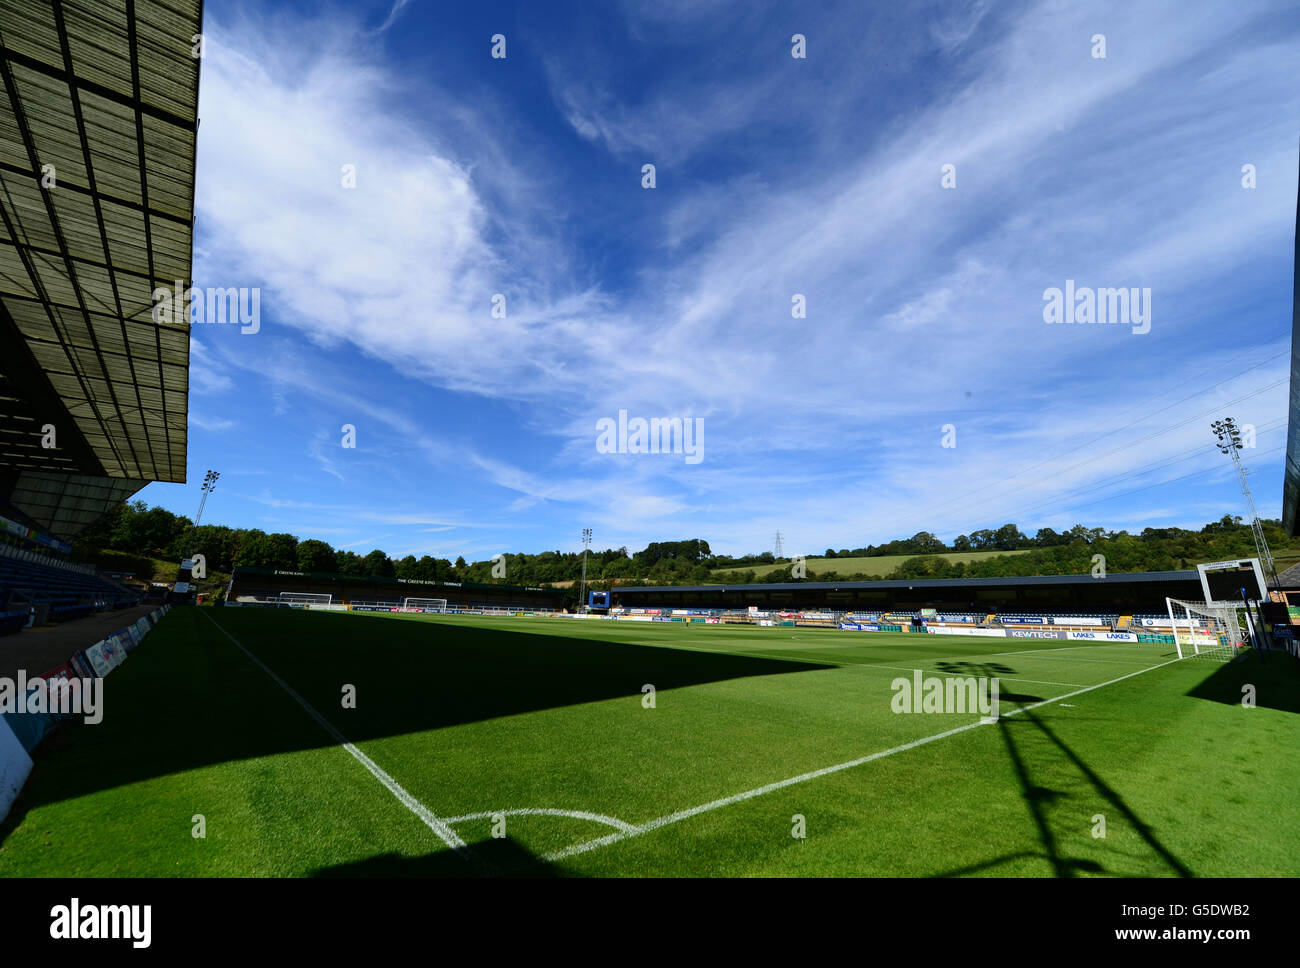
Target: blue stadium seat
x,y
68,592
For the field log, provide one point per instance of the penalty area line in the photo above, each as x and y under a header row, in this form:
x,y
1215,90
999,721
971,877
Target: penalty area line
x,y
672,818
438,826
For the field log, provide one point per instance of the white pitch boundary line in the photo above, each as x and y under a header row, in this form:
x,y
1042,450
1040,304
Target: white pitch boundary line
x,y
970,656
1072,648
658,822
614,822
1078,658
439,827
1041,682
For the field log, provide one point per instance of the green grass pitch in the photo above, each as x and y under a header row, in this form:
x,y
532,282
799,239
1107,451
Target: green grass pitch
x,y
537,728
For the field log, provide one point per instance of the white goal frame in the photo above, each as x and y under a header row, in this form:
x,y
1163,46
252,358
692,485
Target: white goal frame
x,y
428,604
305,598
1208,630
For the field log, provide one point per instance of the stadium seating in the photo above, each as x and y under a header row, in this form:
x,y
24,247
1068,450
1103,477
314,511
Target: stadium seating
x,y
13,621
1055,620
1059,619
60,591
1141,621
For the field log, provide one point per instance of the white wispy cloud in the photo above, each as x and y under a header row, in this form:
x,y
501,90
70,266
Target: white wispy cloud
x,y
1116,172
393,14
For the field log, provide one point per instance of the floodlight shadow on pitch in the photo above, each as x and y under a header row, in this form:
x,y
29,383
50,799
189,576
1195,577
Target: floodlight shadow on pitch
x,y
1040,799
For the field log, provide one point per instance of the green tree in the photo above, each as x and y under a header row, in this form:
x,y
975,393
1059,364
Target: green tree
x,y
284,551
377,563
255,550
315,555
1009,538
925,543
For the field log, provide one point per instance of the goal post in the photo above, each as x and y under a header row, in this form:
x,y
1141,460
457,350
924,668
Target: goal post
x,y
305,599
426,604
1207,630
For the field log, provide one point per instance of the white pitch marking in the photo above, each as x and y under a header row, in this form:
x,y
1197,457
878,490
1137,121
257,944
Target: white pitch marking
x,y
614,822
968,656
1078,658
1041,682
439,827
651,825
1071,648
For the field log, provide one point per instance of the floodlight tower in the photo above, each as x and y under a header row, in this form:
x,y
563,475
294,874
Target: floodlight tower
x,y
586,543
1229,437
209,484
777,549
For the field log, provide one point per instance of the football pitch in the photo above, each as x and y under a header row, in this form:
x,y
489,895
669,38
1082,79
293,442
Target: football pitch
x,y
532,746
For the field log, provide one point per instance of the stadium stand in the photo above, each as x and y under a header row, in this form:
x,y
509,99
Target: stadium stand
x,y
12,621
1067,595
1044,624
264,585
43,589
93,388
1059,620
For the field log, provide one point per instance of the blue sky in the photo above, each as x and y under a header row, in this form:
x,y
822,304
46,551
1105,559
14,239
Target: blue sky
x,y
775,176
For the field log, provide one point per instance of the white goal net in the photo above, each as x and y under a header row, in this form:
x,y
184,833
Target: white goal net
x,y
305,598
426,604
1208,630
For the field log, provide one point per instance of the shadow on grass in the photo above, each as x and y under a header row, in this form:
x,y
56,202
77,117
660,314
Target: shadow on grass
x,y
189,697
1040,798
1276,682
996,862
494,857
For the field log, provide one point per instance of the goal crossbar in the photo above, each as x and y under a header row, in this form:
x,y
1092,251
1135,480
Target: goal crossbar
x,y
305,598
428,604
